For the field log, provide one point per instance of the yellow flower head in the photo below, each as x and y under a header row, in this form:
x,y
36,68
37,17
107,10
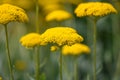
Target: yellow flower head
x,y
75,2
51,7
25,4
75,49
58,15
61,36
0,78
54,48
94,9
30,40
9,13
20,65
48,2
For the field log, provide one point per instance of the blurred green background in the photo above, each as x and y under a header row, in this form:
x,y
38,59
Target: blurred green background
x,y
108,43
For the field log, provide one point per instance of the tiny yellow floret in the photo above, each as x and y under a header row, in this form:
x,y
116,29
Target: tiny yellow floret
x,y
75,49
54,48
61,36
31,40
58,15
9,13
94,9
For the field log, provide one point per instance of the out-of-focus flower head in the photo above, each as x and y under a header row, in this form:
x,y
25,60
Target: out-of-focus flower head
x,y
31,40
9,13
47,2
75,2
20,65
97,9
25,4
51,7
58,15
54,48
0,78
61,36
75,49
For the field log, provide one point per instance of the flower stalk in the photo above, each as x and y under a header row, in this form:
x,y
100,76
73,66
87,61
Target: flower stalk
x,y
37,63
37,17
60,68
75,69
37,59
8,54
94,46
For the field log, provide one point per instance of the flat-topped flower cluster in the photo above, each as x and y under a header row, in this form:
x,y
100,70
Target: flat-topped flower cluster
x,y
57,35
9,13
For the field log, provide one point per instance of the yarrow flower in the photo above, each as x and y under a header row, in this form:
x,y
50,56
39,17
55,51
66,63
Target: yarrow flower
x,y
58,15
75,49
61,36
51,7
94,9
9,13
20,65
54,48
31,40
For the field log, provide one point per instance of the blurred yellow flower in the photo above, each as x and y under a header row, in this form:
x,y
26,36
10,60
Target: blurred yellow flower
x,y
9,13
0,78
58,15
30,40
61,36
47,2
25,4
75,49
20,65
75,2
94,9
54,48
51,7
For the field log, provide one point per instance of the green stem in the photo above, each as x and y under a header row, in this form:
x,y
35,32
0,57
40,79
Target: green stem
x,y
8,54
60,66
37,63
88,77
37,17
75,69
94,45
37,60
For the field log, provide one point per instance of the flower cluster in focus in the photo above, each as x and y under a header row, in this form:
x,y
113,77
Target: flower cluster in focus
x,y
61,36
94,9
30,40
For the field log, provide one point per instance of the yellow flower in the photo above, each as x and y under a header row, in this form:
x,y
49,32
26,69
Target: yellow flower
x,y
75,49
61,36
54,48
47,2
0,78
94,9
25,4
58,15
51,7
75,2
9,13
20,65
30,40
